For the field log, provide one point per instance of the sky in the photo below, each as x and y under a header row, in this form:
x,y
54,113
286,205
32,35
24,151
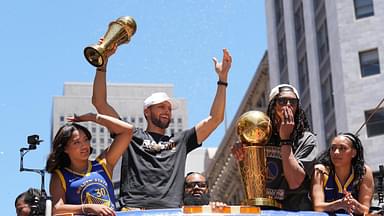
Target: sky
x,y
42,46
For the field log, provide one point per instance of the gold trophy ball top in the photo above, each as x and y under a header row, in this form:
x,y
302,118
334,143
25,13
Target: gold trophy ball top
x,y
254,128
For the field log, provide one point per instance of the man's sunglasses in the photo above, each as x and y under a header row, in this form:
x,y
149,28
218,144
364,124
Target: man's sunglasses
x,y
282,101
199,184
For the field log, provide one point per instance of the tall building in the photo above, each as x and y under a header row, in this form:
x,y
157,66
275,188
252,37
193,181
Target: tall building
x,y
331,51
127,99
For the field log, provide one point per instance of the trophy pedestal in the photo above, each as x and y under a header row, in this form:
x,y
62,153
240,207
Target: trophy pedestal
x,y
264,203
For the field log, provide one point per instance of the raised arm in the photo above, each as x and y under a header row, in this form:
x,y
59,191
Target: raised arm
x,y
216,115
121,129
99,96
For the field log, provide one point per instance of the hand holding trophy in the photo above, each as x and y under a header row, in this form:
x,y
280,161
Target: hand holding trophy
x,y
119,32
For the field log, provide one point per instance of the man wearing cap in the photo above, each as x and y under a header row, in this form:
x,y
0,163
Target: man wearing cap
x,y
152,172
290,152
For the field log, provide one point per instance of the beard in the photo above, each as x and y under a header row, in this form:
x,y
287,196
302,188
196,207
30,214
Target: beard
x,y
158,123
189,199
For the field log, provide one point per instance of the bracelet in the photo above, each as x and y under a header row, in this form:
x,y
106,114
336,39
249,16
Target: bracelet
x,y
222,83
101,69
97,117
83,209
286,142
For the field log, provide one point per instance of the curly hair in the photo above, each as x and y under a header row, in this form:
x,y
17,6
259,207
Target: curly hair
x,y
358,161
301,122
58,158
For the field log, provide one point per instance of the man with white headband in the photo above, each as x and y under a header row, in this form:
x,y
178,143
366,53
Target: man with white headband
x,y
290,152
152,173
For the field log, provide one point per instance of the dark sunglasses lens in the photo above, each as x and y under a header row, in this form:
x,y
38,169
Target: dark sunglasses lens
x,y
284,101
199,184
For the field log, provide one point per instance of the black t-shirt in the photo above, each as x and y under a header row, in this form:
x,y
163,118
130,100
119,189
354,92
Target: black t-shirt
x,y
304,151
152,170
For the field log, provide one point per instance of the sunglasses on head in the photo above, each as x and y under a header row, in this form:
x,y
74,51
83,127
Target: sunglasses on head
x,y
200,184
282,101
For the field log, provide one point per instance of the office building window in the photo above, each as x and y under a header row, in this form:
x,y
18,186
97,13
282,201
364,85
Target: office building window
x,y
375,125
369,62
101,130
93,130
133,120
179,120
363,8
141,120
61,118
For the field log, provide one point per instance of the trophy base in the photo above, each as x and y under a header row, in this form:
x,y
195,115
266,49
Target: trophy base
x,y
264,203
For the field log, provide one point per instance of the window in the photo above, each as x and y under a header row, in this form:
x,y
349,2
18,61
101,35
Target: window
x,y
179,120
363,8
369,62
101,130
375,125
133,119
141,120
61,118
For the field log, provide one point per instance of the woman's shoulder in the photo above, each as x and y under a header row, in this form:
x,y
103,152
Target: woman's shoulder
x,y
368,171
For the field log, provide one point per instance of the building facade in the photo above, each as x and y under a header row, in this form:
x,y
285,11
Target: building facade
x,y
333,52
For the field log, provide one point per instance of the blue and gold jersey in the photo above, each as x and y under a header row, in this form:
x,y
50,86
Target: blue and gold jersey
x,y
333,189
93,187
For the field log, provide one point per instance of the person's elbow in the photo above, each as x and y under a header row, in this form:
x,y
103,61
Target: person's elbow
x,y
295,183
217,119
96,102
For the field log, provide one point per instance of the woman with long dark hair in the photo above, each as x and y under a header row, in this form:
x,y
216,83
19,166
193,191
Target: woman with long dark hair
x,y
342,182
78,185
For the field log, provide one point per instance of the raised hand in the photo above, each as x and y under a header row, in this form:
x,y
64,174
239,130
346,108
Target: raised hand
x,y
222,68
287,123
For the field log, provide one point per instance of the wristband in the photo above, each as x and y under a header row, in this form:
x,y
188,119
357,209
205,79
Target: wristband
x,y
101,69
83,209
286,142
222,83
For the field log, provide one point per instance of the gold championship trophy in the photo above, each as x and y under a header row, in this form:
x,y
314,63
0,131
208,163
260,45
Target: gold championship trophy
x,y
119,32
254,129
